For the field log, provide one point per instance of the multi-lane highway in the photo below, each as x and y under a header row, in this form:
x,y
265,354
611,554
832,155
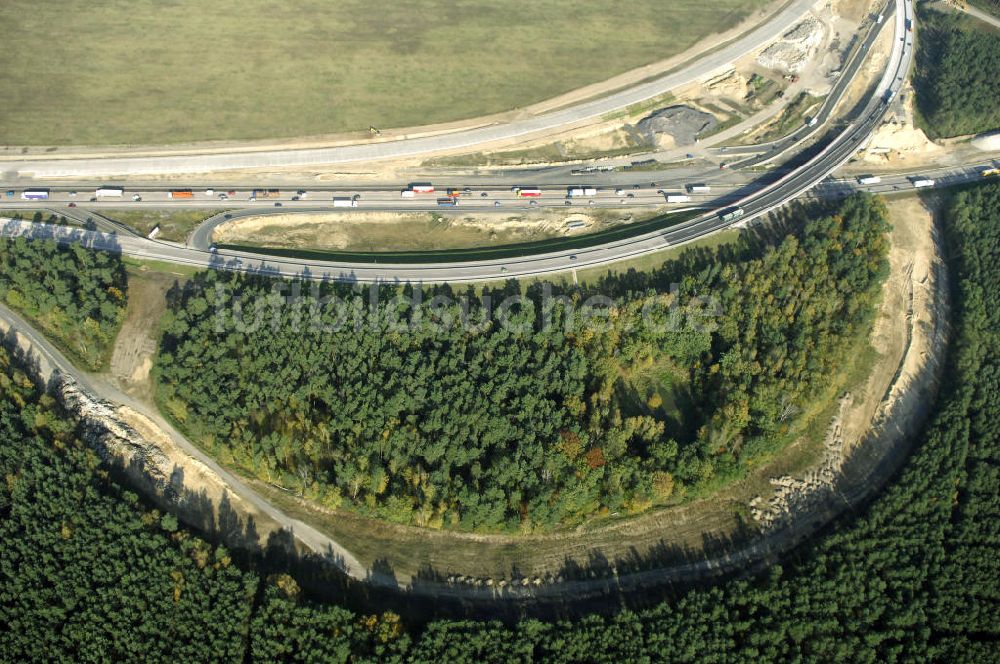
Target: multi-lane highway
x,y
717,60
793,184
763,153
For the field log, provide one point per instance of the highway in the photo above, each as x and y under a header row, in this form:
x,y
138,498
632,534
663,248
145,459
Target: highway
x,y
704,67
478,193
139,247
770,197
767,152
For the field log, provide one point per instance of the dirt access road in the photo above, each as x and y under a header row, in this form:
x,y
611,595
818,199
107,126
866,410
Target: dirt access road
x,y
131,425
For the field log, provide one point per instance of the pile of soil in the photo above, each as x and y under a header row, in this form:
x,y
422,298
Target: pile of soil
x,y
682,124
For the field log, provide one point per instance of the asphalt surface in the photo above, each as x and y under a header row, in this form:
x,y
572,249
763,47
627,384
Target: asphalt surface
x,y
766,152
715,61
795,183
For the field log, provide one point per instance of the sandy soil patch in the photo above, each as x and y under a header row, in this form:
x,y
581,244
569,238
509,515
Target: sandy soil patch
x,y
854,10
135,347
390,231
919,288
878,420
203,498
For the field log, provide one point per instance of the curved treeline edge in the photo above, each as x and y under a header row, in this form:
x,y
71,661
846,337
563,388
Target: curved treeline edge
x,y
498,410
88,573
74,294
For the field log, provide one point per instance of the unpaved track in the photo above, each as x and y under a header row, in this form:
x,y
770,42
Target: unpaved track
x,y
51,363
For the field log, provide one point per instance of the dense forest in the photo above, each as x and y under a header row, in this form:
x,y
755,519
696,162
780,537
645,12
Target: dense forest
x,y
956,81
461,412
88,572
75,295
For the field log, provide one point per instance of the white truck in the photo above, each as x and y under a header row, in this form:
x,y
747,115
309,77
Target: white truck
x,y
698,188
923,182
340,202
408,193
678,198
869,179
110,192
577,192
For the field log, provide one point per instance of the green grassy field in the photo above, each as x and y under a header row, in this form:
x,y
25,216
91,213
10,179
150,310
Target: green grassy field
x,y
174,225
172,71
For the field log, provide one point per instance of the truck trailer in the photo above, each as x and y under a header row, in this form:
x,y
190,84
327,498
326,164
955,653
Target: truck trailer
x,y
110,192
731,214
869,179
917,184
180,194
698,188
341,202
527,192
677,198
447,202
265,193
422,188
34,194
576,192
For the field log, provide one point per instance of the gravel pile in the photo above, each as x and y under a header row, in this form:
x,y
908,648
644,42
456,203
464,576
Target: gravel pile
x,y
681,123
793,51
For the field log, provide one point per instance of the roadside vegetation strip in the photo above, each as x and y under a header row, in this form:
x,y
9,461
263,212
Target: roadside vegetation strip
x,y
347,64
516,250
174,225
75,295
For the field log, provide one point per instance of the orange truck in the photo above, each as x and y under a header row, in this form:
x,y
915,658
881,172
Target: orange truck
x,y
180,193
